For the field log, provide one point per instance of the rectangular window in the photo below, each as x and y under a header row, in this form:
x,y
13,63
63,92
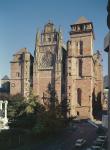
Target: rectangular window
x,y
81,48
69,94
69,61
79,95
17,74
80,68
69,87
76,43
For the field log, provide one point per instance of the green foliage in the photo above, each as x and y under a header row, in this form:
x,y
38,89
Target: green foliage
x,y
4,96
31,115
23,112
48,123
15,104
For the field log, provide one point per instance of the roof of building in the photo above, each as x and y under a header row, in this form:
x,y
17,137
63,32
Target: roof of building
x,y
81,20
5,77
22,50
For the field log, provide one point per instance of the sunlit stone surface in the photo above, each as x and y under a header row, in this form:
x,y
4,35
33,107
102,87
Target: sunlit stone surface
x,y
3,115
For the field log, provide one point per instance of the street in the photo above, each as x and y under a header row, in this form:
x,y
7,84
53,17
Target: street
x,y
66,140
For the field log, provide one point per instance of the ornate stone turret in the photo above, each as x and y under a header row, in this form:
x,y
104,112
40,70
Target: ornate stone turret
x,y
60,43
37,43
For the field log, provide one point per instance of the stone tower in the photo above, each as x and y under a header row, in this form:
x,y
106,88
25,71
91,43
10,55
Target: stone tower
x,y
80,73
21,73
49,64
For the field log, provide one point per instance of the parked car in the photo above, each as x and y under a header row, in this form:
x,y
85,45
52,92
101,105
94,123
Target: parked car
x,y
101,138
80,142
97,145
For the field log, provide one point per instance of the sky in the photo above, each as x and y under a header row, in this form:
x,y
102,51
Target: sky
x,y
20,19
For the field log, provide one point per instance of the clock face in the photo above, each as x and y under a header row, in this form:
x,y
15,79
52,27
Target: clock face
x,y
12,84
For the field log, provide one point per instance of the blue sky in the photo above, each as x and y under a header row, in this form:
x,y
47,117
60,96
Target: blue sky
x,y
19,20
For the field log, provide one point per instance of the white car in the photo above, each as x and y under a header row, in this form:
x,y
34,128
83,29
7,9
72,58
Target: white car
x,y
80,142
96,145
101,139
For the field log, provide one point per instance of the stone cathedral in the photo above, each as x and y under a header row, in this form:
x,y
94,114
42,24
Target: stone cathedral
x,y
49,63
72,72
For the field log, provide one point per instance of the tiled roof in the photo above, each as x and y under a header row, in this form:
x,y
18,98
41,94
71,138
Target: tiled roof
x,y
22,50
81,20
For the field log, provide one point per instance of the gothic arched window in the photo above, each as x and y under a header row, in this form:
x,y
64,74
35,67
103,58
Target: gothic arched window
x,y
80,67
81,48
79,94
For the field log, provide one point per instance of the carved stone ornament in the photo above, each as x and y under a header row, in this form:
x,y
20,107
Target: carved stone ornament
x,y
46,60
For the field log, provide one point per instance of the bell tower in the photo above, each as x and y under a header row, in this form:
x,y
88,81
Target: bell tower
x,y
80,68
48,62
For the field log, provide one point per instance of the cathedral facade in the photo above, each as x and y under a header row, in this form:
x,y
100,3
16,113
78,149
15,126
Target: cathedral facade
x,y
49,64
72,72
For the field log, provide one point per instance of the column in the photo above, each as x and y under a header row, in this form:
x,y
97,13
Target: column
x,y
1,102
6,103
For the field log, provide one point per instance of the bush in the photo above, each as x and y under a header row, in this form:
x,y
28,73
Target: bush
x,y
48,123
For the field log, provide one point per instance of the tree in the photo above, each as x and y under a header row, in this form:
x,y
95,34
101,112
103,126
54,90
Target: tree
x,y
24,111
29,114
15,103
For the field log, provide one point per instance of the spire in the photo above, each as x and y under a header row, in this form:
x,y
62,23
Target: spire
x,y
37,39
37,42
59,45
